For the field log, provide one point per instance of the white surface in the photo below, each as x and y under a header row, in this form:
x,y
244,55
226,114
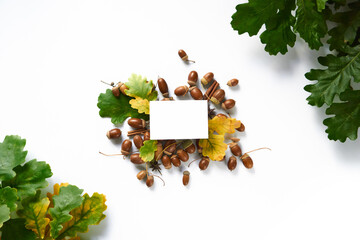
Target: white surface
x,y
52,56
179,119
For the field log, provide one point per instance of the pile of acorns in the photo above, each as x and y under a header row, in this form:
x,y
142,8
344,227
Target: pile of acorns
x,y
172,152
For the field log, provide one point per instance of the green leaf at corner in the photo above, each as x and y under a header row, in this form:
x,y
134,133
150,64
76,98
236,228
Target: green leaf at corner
x,y
147,151
320,4
335,79
89,213
310,23
140,87
118,109
68,199
15,230
30,177
12,154
346,120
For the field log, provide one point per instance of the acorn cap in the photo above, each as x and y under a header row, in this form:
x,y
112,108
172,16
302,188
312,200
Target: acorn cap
x,y
186,173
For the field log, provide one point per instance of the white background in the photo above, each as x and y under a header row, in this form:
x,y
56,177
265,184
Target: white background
x,y
52,56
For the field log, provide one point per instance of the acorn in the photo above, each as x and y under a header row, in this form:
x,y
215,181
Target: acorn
x,y
228,104
234,139
126,147
149,181
220,115
207,78
233,82
188,146
184,56
241,128
192,78
116,91
183,156
204,163
136,123
138,141
113,133
122,88
235,149
247,161
141,175
196,93
218,96
146,136
166,161
159,151
199,149
232,163
136,159
163,87
175,160
181,91
186,178
169,147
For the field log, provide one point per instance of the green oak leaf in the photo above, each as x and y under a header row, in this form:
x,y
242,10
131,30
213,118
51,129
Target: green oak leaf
x,y
30,177
118,109
346,122
345,32
68,199
12,154
34,212
8,199
140,87
335,79
249,17
15,230
147,151
320,4
310,23
89,213
278,34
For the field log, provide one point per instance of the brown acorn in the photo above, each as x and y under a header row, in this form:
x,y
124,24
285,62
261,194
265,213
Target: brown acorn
x,y
175,160
166,161
126,147
159,151
149,181
186,178
113,133
184,56
221,115
233,82
146,136
204,163
141,175
136,159
122,88
138,141
196,93
169,147
218,96
232,163
207,78
136,123
188,146
247,161
192,78
183,156
228,104
116,91
163,87
235,149
181,91
199,149
241,128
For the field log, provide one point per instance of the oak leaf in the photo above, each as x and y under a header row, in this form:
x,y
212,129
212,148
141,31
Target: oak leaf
x,y
147,151
213,147
222,125
142,105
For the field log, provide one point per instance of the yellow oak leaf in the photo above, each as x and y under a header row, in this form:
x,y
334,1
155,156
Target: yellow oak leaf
x,y
213,147
142,105
222,124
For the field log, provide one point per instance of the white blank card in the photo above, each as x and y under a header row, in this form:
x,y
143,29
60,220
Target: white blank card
x,y
183,119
